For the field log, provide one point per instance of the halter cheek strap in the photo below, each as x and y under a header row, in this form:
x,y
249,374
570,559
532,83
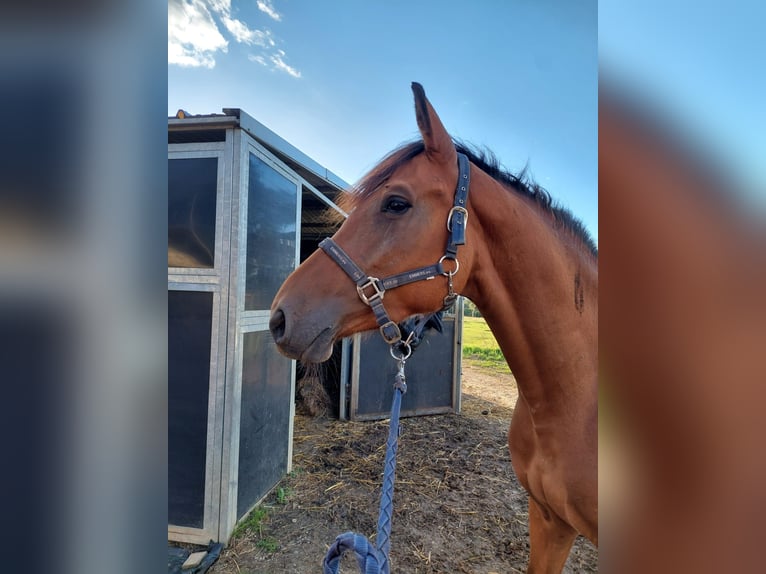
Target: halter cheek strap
x,y
371,290
457,219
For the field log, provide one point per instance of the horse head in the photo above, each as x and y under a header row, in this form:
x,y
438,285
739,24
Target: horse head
x,y
398,216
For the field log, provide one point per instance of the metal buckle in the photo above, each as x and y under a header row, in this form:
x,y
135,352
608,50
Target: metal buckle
x,y
452,211
391,340
373,282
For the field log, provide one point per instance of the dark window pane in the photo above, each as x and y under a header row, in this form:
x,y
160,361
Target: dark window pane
x,y
192,186
264,419
271,233
41,192
190,318
429,378
38,339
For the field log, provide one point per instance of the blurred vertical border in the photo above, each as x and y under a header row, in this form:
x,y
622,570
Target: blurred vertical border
x,y
682,255
83,90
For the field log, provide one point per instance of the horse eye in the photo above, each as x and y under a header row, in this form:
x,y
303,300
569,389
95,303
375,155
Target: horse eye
x,y
396,205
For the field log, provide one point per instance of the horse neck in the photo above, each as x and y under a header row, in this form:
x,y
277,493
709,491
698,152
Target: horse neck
x,y
537,288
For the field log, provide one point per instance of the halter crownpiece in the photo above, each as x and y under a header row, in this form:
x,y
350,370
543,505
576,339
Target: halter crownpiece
x,y
371,290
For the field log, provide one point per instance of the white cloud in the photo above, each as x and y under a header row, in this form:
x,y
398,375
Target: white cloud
x,y
276,62
279,64
193,36
267,8
221,6
244,35
238,29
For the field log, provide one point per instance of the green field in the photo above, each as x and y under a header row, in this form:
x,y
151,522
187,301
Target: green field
x,y
480,347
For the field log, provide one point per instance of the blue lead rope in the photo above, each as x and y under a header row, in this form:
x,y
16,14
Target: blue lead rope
x,y
374,560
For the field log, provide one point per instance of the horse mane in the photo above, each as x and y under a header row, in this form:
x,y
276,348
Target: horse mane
x,y
485,160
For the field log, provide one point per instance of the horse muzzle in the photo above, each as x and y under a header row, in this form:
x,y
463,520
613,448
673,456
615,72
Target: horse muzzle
x,y
308,340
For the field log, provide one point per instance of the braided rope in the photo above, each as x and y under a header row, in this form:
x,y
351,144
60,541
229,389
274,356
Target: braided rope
x,y
372,560
367,556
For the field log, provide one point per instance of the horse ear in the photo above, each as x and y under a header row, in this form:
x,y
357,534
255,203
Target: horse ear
x,y
438,142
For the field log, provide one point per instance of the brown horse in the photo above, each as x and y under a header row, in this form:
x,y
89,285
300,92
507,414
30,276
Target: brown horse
x,y
531,270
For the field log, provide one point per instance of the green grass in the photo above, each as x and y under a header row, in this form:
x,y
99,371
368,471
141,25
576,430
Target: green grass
x,y
252,524
254,527
480,348
268,544
283,494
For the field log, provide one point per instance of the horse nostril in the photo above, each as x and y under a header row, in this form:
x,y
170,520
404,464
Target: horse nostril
x,y
277,325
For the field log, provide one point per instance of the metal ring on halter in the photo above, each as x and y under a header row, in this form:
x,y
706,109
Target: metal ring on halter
x,y
457,265
407,350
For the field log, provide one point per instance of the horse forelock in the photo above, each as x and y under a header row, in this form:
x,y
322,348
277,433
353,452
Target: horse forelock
x,y
485,160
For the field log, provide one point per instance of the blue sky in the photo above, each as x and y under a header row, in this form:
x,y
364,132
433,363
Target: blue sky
x,y
333,78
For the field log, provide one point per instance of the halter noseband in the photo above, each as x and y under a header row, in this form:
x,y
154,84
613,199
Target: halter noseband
x,y
372,290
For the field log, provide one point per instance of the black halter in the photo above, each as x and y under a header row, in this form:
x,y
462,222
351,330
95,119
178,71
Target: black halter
x,y
371,289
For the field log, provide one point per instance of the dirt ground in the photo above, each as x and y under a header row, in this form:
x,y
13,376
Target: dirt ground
x,y
458,506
